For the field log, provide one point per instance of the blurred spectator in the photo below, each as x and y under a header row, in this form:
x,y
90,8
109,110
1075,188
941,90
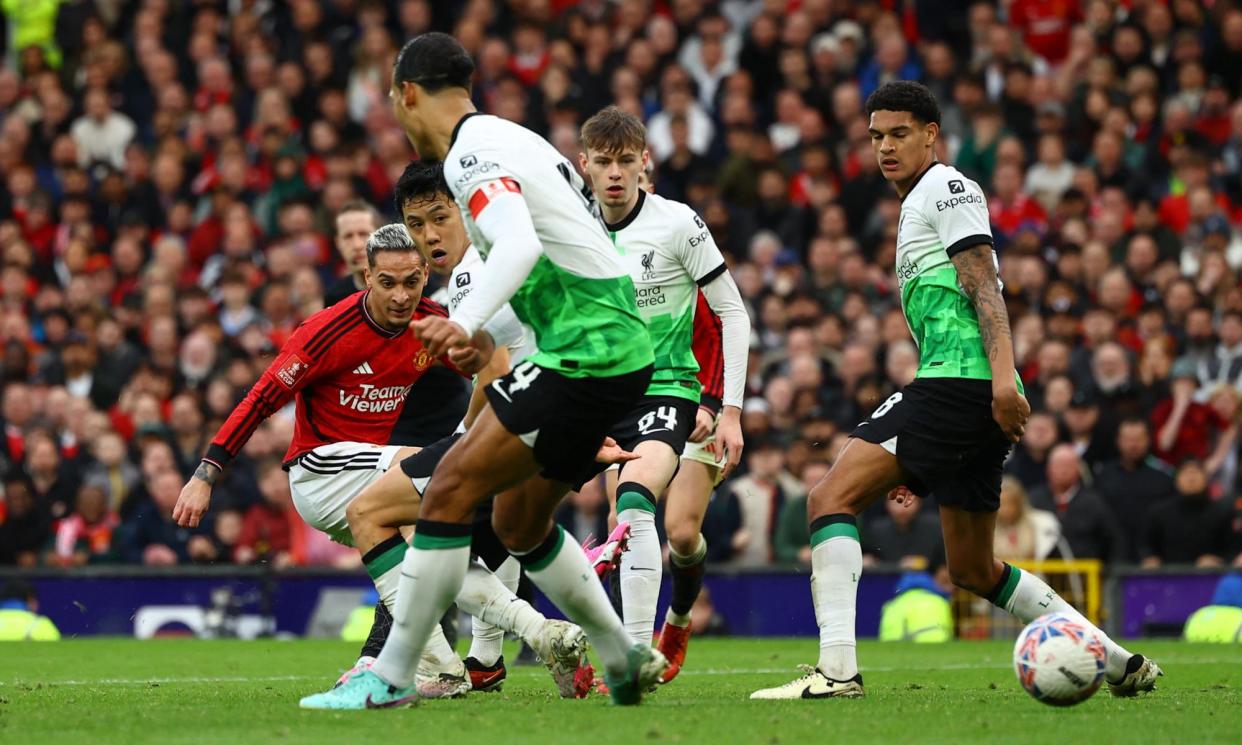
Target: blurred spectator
x,y
751,504
792,542
1023,533
26,530
266,531
1090,530
1029,461
1135,483
906,535
1186,428
85,537
151,537
19,615
101,134
1190,528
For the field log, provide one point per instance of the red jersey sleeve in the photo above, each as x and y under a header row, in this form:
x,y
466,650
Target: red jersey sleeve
x,y
302,359
709,352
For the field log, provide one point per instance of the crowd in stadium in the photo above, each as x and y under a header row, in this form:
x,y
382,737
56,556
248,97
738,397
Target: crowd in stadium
x,y
172,173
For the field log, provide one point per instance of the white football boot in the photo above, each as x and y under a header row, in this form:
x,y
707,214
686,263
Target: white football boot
x,y
813,684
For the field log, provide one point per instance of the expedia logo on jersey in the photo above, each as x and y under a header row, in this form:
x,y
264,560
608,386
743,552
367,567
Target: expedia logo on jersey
x,y
649,297
468,161
695,240
475,170
906,270
647,260
951,202
463,279
372,399
423,360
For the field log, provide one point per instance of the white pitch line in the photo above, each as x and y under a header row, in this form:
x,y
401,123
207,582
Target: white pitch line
x,y
693,671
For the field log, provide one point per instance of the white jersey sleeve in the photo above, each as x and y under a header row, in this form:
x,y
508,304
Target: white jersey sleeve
x,y
505,328
957,209
697,249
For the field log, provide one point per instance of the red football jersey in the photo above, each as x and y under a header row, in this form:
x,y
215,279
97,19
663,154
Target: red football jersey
x,y
349,374
709,351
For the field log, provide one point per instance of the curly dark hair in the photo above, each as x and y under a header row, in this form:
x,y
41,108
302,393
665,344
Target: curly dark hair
x,y
435,61
905,95
422,179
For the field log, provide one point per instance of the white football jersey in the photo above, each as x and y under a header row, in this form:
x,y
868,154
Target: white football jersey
x,y
504,327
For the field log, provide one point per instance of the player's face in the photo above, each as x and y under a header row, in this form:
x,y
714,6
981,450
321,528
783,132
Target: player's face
x,y
614,176
902,146
437,230
396,283
352,231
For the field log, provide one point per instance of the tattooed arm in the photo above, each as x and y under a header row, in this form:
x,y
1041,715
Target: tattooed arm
x,y
976,272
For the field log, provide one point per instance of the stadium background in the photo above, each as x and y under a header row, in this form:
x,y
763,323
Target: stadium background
x,y
171,172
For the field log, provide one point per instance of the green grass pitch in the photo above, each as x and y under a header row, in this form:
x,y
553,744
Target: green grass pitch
x,y
184,691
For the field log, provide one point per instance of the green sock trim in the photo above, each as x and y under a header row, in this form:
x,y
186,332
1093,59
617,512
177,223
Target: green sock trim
x,y
382,564
439,543
545,560
632,500
835,530
1011,586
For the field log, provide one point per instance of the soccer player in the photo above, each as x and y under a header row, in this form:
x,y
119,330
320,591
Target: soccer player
x,y
671,256
530,217
349,367
948,433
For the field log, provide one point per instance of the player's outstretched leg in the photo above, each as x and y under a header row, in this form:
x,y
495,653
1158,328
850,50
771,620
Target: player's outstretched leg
x,y
968,548
863,472
485,660
433,569
555,563
684,507
561,645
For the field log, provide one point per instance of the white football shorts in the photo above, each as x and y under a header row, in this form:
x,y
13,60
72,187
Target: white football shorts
x,y
325,480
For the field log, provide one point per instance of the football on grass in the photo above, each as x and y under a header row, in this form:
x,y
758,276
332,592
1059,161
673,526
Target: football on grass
x,y
1059,660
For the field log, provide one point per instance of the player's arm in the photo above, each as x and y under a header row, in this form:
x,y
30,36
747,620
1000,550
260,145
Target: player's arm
x,y
706,264
290,372
976,272
500,213
497,366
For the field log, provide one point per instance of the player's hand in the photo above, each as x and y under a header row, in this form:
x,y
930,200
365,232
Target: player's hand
x,y
610,452
192,503
729,439
704,423
439,334
902,496
1010,410
473,357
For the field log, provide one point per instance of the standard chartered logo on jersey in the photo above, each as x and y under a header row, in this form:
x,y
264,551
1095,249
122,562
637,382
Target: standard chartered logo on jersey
x,y
649,297
906,270
370,399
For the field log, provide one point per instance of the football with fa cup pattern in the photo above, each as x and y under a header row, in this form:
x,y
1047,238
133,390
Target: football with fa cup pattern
x,y
1059,660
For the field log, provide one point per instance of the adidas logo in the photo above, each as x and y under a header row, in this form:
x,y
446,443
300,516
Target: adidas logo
x,y
364,369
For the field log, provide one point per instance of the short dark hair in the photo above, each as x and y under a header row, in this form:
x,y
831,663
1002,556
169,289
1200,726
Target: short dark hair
x,y
421,179
392,237
905,95
613,130
434,61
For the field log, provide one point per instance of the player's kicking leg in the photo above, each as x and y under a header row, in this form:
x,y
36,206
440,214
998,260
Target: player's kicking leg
x,y
968,538
862,473
394,500
684,509
564,431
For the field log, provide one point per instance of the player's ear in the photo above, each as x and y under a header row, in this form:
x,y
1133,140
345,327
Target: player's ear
x,y
646,158
582,162
933,132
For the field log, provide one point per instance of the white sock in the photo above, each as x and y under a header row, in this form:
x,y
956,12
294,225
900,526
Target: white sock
x,y
641,569
487,640
1029,597
836,564
486,598
561,570
438,656
430,578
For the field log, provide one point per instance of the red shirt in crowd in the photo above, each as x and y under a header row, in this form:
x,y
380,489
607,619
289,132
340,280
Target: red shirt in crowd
x,y
1195,437
709,352
349,374
1045,25
1012,216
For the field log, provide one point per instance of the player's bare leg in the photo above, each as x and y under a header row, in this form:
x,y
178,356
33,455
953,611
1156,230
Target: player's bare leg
x,y
968,541
863,473
639,484
684,508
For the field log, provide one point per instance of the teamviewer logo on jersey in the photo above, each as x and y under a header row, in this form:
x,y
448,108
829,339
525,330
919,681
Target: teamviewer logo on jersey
x,y
469,161
957,187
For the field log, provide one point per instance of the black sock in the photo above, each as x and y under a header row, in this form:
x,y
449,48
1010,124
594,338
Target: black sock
x,y
379,632
687,582
614,593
